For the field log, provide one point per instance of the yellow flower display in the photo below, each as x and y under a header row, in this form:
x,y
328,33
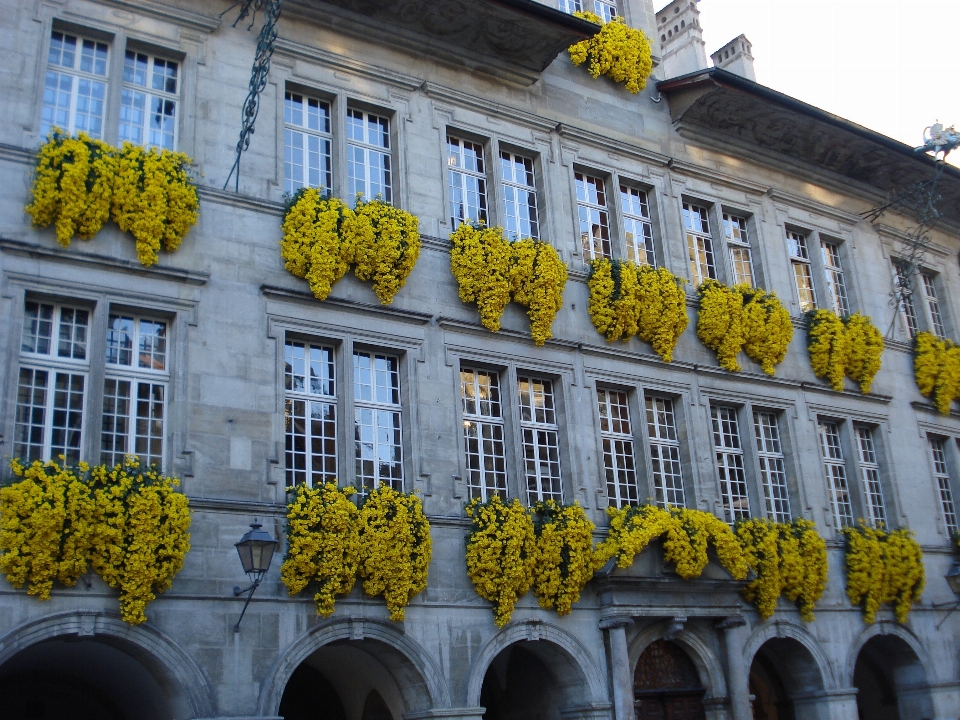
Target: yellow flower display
x,y
480,261
565,561
627,300
851,347
322,238
788,559
310,247
323,543
720,322
73,186
619,52
141,534
687,535
742,317
501,553
767,328
46,529
129,523
936,367
395,547
827,347
80,183
382,242
491,271
883,567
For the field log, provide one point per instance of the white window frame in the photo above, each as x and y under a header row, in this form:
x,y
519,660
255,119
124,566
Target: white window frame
x,y
369,148
831,452
664,445
908,308
150,93
773,477
637,225
320,136
483,422
54,364
593,215
513,189
800,262
870,476
317,390
934,310
616,438
731,474
77,76
700,252
738,243
465,182
606,9
379,410
137,376
833,269
941,473
570,6
540,439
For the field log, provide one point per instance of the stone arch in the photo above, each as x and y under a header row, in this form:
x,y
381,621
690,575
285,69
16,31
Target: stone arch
x,y
892,629
785,630
707,663
572,664
418,676
173,669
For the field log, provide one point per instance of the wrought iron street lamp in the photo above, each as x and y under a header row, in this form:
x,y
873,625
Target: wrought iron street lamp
x,y
953,580
256,550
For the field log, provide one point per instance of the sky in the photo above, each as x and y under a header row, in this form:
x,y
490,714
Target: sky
x,y
890,65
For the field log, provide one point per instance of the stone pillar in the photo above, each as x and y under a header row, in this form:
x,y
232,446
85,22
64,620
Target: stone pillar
x,y
620,676
840,704
462,713
738,674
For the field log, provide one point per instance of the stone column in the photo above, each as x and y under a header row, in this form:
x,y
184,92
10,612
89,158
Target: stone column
x,y
461,713
616,629
738,675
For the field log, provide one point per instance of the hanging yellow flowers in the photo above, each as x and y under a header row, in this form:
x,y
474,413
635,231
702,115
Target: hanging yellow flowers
x,y
565,559
127,523
395,547
72,186
627,300
491,271
687,532
322,238
850,347
788,559
619,52
501,553
81,182
882,568
742,317
323,543
936,368
154,199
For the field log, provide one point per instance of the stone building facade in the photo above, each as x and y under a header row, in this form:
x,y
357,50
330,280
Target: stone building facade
x,y
382,95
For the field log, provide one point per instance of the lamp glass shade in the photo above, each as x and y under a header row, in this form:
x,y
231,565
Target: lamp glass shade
x,y
256,551
953,577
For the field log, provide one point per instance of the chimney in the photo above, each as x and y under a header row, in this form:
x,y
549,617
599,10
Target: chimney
x,y
678,25
736,57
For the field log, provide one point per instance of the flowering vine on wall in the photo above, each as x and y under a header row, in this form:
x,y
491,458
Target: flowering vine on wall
x,y
323,238
850,347
788,559
565,560
627,300
936,368
883,567
128,523
330,542
617,51
731,319
80,183
491,271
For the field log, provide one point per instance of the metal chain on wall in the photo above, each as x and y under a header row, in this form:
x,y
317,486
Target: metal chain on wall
x,y
258,75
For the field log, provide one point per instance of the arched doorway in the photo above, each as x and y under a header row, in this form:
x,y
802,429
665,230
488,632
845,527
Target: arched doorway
x,y
770,699
890,681
310,696
783,670
666,684
85,679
